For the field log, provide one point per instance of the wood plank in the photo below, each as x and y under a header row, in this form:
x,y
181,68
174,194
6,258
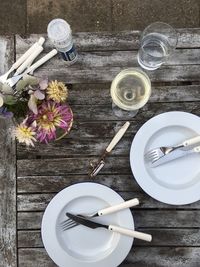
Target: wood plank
x,y
90,129
56,166
142,219
75,74
38,202
52,184
6,53
74,147
8,253
100,94
125,58
126,40
160,237
103,113
138,257
31,257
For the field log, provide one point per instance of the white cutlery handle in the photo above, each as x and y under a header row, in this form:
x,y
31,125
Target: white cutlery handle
x,y
197,149
24,56
41,41
41,61
27,53
192,141
131,233
30,59
121,206
118,136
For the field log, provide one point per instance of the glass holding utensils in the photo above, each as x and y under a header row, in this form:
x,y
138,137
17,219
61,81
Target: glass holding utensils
x,y
130,91
157,42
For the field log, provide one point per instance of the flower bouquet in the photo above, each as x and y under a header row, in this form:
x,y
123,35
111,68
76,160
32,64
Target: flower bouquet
x,y
41,108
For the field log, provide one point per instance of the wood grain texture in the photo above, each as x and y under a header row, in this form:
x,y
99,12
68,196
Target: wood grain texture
x,y
103,65
48,184
160,237
126,40
46,169
100,59
142,219
6,53
38,202
8,252
100,93
75,74
138,257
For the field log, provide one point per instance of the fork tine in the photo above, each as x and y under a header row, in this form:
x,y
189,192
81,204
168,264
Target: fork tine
x,y
152,156
68,222
150,153
65,221
69,226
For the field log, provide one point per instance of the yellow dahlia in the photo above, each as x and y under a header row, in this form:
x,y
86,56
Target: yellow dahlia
x,y
25,134
57,91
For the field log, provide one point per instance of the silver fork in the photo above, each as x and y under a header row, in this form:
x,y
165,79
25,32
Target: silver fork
x,y
156,153
69,223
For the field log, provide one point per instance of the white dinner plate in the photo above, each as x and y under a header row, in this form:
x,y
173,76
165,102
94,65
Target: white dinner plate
x,y
81,246
176,182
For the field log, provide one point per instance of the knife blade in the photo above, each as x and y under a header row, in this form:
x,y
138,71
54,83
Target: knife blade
x,y
113,228
175,154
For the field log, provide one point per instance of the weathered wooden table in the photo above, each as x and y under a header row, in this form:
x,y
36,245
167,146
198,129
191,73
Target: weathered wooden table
x,y
29,178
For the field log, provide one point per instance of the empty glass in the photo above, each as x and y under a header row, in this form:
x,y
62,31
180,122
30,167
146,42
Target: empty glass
x,y
158,41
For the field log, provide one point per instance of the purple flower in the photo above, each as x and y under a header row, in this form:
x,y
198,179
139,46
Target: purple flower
x,y
4,111
51,116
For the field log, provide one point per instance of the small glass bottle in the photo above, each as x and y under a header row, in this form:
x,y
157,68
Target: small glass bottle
x,y
60,35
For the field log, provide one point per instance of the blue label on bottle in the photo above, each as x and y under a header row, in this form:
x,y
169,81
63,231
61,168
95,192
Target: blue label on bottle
x,y
70,55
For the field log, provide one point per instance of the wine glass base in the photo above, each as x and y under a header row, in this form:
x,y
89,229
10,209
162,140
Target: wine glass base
x,y
121,113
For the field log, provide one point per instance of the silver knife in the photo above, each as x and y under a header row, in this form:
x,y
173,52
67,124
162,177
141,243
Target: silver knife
x,y
178,153
113,228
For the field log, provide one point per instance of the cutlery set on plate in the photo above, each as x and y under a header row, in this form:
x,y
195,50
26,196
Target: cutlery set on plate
x,y
85,220
24,65
162,155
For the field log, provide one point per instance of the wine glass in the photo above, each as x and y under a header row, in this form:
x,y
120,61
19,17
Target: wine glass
x,y
130,91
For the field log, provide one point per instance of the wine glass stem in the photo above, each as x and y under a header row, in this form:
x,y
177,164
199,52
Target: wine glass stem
x,y
121,113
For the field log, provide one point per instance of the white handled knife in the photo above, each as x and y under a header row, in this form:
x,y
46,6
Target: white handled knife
x,y
101,162
175,154
113,228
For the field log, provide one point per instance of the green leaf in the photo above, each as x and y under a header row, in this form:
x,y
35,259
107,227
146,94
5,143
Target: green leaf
x,y
27,80
9,99
30,80
21,85
6,89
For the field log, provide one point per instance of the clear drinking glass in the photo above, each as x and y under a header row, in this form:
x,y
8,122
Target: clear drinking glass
x,y
130,91
158,41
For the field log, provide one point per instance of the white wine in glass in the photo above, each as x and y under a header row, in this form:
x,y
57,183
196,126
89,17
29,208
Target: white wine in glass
x,y
130,91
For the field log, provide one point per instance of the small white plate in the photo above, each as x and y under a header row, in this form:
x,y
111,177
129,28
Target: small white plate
x,y
176,182
82,246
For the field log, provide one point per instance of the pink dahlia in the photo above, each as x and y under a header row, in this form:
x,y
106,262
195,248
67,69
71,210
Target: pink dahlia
x,y
51,116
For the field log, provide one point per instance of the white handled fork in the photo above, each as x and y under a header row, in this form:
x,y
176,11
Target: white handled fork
x,y
12,81
23,59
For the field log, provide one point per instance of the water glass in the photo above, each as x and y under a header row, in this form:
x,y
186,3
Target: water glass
x,y
158,41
